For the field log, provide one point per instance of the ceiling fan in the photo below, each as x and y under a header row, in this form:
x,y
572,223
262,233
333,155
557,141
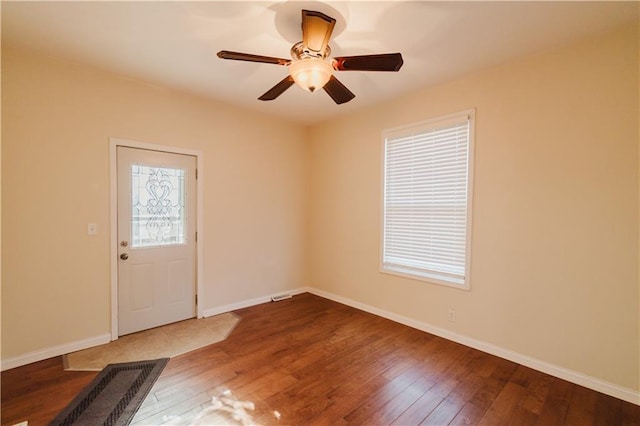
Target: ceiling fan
x,y
309,66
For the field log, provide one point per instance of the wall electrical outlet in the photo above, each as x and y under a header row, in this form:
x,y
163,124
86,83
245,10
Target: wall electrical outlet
x,y
452,315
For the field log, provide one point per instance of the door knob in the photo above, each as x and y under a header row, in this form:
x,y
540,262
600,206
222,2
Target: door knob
x,y
124,256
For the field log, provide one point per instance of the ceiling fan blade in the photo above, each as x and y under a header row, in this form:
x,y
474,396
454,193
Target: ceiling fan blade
x,y
338,91
278,89
316,30
237,56
382,62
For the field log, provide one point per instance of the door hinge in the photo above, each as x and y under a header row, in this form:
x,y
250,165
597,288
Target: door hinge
x,y
196,299
196,236
196,173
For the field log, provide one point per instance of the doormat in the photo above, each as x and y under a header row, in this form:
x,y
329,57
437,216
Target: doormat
x,y
114,396
167,341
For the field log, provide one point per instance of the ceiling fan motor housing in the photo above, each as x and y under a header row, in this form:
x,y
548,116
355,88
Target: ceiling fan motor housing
x,y
300,51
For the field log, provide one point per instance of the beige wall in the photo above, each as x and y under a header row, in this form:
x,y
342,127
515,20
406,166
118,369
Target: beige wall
x,y
56,122
555,229
554,272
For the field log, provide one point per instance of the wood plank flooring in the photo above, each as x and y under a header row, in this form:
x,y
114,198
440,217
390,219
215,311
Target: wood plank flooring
x,y
311,361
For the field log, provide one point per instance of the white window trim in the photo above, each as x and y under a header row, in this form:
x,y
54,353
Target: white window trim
x,y
422,276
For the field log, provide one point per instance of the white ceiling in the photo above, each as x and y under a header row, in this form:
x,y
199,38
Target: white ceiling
x,y
174,44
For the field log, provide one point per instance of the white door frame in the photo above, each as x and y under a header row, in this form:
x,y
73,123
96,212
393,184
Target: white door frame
x,y
113,144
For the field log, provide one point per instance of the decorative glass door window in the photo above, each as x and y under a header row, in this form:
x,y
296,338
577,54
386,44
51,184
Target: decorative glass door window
x,y
158,206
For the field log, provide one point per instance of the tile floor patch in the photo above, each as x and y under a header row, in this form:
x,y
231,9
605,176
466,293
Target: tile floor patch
x,y
162,342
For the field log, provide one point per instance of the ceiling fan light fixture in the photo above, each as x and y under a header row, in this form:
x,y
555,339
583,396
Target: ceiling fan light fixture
x,y
310,66
310,73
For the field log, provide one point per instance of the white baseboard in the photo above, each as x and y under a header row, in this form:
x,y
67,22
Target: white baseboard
x,y
35,356
251,302
572,376
58,350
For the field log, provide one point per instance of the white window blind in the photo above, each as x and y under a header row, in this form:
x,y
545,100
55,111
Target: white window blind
x,y
427,200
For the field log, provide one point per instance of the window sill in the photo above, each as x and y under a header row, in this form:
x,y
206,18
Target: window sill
x,y
426,277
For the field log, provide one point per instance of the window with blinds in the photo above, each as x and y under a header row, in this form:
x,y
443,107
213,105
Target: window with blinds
x,y
427,200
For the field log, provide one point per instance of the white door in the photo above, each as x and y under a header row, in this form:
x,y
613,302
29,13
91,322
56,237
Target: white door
x,y
156,238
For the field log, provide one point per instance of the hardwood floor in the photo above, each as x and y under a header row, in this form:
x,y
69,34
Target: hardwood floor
x,y
311,361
